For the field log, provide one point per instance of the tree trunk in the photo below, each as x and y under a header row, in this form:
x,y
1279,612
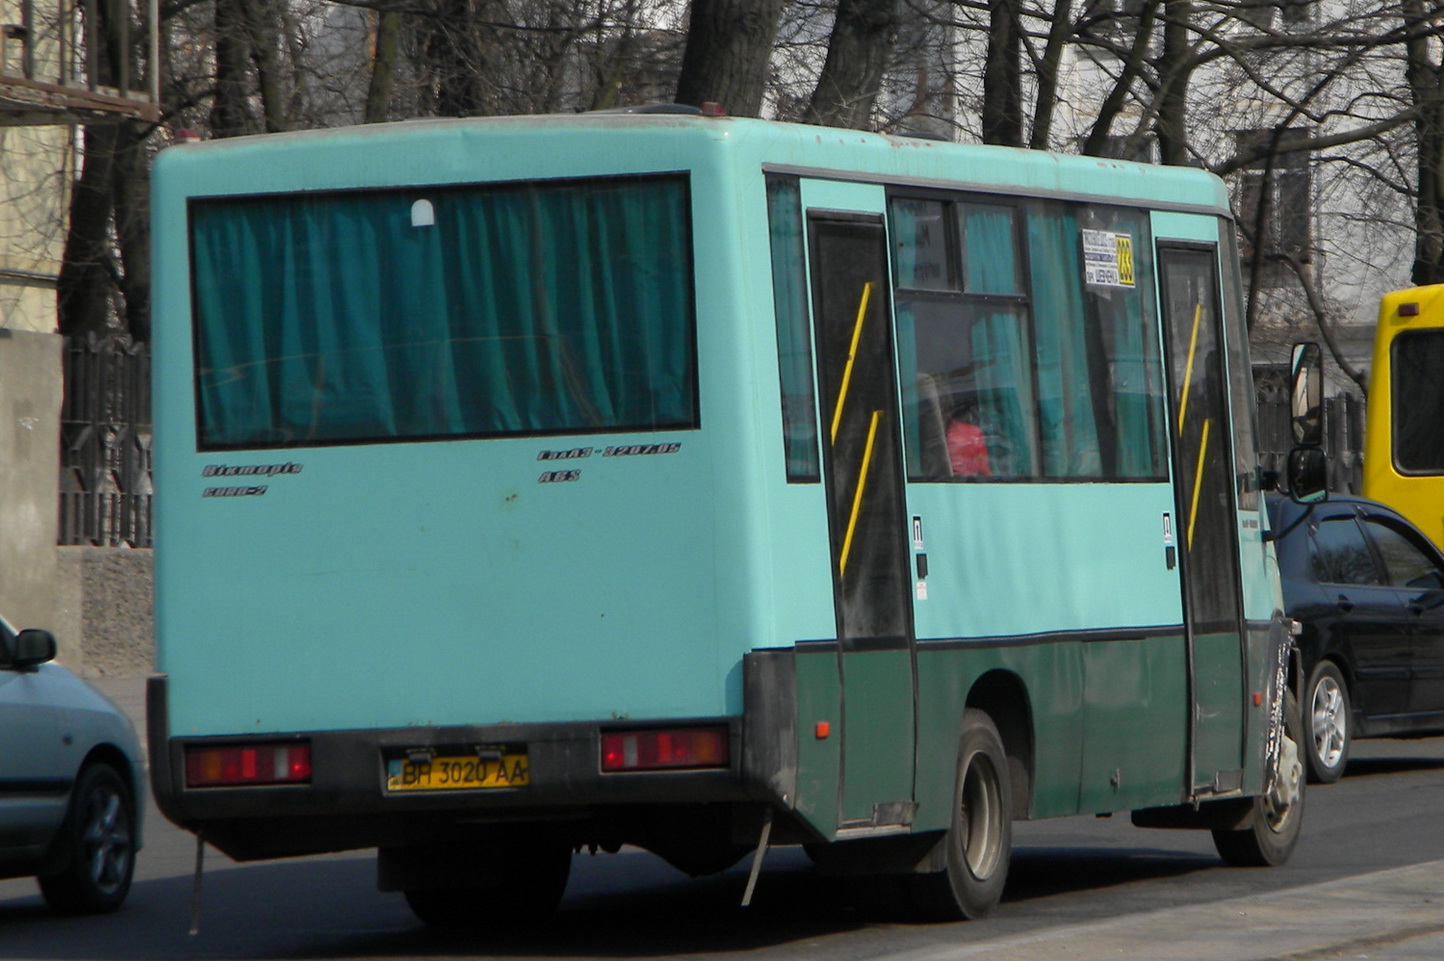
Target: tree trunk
x,y
1002,119
85,275
383,67
728,46
1423,77
453,60
108,215
857,52
1175,69
1058,36
262,23
230,115
1118,95
130,205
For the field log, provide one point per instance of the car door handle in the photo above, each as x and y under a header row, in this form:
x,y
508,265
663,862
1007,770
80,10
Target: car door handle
x,y
1345,604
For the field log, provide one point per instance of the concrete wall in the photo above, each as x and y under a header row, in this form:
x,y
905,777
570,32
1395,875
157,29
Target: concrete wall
x,y
96,600
30,396
103,620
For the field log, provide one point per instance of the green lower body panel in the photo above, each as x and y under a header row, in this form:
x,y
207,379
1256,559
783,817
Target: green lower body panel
x,y
1095,724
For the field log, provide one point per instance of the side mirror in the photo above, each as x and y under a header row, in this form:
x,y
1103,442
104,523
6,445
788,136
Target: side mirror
x,y
1430,600
1308,475
1307,398
33,647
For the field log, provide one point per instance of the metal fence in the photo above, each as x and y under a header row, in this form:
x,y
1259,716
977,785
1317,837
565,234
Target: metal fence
x,y
1343,429
105,443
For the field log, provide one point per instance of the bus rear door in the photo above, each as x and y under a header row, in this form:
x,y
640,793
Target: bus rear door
x,y
862,458
1206,519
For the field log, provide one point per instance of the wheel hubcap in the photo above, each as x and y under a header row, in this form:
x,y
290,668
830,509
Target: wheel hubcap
x,y
982,818
1329,722
1287,788
106,840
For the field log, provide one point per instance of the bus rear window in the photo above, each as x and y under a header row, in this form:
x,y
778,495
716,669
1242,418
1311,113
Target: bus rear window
x,y
358,317
1418,356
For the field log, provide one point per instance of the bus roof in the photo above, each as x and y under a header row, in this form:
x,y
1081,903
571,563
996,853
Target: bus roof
x,y
435,151
1412,307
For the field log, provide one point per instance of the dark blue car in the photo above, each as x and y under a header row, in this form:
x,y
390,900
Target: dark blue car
x,y
1368,589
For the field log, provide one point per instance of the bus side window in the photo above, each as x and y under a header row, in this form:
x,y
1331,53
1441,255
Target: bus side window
x,y
932,426
794,340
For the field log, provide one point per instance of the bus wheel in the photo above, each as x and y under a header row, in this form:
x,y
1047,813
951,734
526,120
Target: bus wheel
x,y
979,842
1277,815
527,887
1327,697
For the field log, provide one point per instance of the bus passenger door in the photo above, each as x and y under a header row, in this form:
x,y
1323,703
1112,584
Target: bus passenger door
x,y
857,381
1206,520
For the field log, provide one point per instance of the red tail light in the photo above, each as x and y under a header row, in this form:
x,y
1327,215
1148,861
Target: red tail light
x,y
231,765
668,749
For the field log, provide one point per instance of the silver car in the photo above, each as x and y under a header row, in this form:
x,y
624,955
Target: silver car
x,y
70,773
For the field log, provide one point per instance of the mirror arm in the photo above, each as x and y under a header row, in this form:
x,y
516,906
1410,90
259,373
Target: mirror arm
x,y
1280,535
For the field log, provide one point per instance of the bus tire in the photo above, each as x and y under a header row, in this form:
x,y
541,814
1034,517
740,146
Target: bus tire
x,y
1277,815
528,888
978,844
1329,723
98,837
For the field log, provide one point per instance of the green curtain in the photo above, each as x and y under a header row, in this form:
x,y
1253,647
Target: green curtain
x,y
535,309
903,224
1065,390
990,250
1006,404
1135,371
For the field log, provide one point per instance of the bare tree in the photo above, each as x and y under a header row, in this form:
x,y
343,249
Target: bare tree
x,y
1002,75
858,48
728,44
383,66
104,282
1426,85
1355,84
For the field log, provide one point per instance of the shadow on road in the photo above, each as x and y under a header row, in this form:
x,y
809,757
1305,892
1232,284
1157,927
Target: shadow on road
x,y
629,905
1375,766
1044,872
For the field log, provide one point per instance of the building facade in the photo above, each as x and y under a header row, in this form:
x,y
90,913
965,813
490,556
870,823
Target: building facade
x,y
50,86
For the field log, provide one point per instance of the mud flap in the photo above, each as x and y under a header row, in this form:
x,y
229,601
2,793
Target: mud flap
x,y
1281,648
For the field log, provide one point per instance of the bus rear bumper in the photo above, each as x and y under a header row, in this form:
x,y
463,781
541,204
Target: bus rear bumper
x,y
346,802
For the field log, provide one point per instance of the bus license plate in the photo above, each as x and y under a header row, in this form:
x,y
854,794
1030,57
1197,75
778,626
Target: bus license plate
x,y
458,773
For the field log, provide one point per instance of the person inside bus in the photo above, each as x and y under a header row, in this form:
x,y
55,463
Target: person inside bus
x,y
967,446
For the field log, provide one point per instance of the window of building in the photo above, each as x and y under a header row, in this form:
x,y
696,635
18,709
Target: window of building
x,y
1116,20
1275,196
1139,148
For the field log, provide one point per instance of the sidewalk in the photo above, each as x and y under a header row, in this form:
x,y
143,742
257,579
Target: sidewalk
x,y
1394,915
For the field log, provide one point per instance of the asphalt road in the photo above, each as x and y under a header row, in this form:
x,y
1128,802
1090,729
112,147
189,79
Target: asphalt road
x,y
1077,886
